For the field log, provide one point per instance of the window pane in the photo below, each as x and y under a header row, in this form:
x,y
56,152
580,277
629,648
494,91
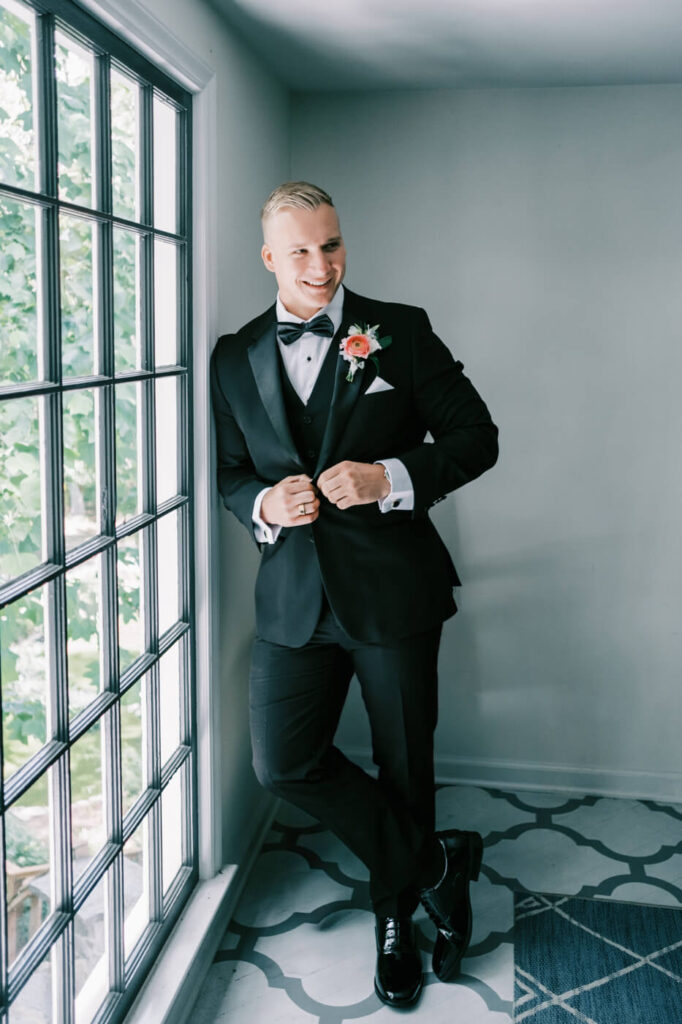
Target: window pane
x,y
130,618
125,99
88,821
169,575
24,672
19,325
172,827
128,445
126,300
165,164
21,543
170,666
135,887
80,473
28,871
17,136
133,743
33,1005
165,303
76,269
166,438
74,120
84,626
90,948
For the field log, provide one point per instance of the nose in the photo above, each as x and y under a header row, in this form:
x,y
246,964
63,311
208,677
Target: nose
x,y
320,262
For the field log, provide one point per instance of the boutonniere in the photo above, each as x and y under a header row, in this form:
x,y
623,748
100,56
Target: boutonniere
x,y
360,344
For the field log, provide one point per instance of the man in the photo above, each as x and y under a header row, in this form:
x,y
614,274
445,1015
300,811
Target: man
x,y
322,404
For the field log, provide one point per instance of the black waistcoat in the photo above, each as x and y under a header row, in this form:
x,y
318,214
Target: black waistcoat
x,y
307,422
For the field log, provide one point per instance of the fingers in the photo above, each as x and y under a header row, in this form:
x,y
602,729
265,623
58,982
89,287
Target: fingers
x,y
333,480
295,501
297,494
353,483
283,504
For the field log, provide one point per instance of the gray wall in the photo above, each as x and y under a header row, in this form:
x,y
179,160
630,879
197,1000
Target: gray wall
x,y
252,156
542,230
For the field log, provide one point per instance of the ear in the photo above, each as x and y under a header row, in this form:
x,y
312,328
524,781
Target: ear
x,y
266,254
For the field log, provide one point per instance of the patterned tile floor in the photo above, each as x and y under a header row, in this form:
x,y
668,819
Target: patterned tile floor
x,y
301,945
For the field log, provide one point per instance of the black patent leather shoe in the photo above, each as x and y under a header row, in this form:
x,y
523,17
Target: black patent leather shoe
x,y
448,904
398,980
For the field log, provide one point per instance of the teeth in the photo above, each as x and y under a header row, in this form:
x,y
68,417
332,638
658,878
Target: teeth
x,y
320,284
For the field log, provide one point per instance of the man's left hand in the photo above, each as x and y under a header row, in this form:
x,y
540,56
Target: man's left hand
x,y
354,483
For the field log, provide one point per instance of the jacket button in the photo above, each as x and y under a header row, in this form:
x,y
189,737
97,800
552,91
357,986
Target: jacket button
x,y
307,419
311,453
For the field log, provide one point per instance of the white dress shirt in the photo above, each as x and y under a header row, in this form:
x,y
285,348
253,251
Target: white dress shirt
x,y
302,361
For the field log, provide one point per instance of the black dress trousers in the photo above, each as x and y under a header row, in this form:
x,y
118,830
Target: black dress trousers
x,y
296,698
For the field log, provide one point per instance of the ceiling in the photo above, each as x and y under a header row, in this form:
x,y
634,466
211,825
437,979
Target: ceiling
x,y
386,44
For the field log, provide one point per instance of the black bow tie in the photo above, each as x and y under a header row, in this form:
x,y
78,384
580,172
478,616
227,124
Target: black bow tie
x,y
288,331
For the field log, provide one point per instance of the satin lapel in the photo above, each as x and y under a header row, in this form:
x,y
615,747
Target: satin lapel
x,y
265,366
345,395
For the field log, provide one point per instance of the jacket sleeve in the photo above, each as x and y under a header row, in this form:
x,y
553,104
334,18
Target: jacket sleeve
x,y
464,435
238,483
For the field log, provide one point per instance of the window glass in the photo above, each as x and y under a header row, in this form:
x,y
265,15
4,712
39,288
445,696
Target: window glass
x,y
74,68
17,128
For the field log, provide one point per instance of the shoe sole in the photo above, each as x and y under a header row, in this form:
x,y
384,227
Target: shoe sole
x,y
448,969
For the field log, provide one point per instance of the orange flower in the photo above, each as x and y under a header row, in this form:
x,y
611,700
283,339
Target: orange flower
x,y
358,345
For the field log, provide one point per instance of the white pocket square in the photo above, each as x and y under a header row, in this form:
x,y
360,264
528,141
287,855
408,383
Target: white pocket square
x,y
378,384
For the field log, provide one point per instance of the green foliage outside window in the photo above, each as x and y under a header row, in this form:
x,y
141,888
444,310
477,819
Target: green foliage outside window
x,y
22,512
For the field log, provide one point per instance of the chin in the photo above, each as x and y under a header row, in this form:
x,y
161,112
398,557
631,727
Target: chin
x,y
321,296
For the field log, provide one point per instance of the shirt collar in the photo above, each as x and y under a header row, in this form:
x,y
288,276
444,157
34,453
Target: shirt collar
x,y
333,309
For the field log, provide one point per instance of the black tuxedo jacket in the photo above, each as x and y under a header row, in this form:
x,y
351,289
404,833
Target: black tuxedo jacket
x,y
386,575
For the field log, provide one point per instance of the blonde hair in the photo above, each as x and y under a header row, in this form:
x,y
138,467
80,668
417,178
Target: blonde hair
x,y
300,194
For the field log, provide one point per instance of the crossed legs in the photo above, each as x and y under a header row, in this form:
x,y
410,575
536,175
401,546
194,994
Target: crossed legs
x,y
296,699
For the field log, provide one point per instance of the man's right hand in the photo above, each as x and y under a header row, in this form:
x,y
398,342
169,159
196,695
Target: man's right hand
x,y
282,504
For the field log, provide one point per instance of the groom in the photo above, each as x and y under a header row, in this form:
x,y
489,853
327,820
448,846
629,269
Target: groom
x,y
322,404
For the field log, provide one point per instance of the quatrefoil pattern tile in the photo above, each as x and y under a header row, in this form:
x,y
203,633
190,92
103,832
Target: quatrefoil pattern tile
x,y
301,944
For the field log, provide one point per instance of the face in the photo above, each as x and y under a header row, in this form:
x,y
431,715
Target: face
x,y
305,251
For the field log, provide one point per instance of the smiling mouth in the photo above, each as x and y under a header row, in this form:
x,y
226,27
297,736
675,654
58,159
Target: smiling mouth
x,y
318,284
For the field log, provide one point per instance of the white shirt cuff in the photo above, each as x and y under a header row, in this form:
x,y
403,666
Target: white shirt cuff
x,y
401,495
265,533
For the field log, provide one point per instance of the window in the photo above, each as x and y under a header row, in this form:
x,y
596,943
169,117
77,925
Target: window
x,y
98,833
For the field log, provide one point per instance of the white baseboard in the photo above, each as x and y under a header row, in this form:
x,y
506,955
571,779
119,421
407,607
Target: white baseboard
x,y
664,787
174,983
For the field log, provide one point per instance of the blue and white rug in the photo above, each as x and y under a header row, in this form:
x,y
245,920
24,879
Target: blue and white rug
x,y
596,961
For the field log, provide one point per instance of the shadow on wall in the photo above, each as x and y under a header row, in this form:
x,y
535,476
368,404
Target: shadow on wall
x,y
241,794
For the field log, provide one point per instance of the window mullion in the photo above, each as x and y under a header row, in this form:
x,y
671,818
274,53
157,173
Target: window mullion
x,y
63,976
60,814
3,896
48,290
103,191
102,110
190,836
46,104
154,777
146,149
53,491
114,923
147,254
107,491
114,886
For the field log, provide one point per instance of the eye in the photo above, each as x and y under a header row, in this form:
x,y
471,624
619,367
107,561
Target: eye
x,y
330,246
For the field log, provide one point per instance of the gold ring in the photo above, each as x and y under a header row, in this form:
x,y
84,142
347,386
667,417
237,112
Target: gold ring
x,y
301,510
